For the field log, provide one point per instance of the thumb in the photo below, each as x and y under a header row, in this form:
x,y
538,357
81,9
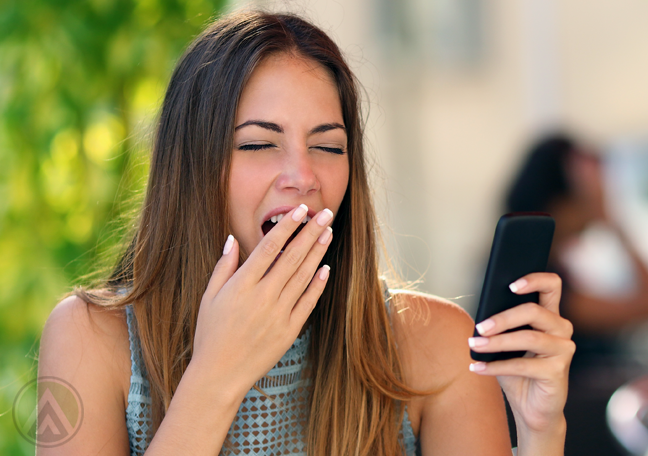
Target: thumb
x,y
225,267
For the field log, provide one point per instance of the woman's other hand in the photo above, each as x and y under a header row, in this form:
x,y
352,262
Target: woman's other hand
x,y
250,317
535,385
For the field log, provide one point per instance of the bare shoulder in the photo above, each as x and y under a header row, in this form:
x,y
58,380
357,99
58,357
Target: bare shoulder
x,y
87,346
84,316
87,334
432,334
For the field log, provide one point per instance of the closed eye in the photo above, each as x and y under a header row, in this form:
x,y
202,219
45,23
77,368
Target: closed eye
x,y
333,150
255,146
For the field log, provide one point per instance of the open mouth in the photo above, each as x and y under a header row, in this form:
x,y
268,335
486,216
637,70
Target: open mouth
x,y
272,222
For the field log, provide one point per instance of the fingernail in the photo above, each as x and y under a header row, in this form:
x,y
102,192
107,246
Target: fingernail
x,y
485,326
326,235
228,245
324,217
300,213
518,285
324,273
477,367
477,341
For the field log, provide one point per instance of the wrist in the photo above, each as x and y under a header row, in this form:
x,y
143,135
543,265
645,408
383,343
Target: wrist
x,y
221,388
550,440
199,415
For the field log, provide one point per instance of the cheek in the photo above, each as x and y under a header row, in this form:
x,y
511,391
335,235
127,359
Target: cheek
x,y
337,181
247,182
247,187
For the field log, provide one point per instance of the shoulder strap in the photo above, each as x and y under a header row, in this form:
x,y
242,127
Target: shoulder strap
x,y
387,295
137,363
138,412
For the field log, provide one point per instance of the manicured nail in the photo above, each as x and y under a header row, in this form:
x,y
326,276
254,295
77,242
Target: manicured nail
x,y
326,235
477,341
518,285
300,213
324,273
485,326
324,217
477,367
228,245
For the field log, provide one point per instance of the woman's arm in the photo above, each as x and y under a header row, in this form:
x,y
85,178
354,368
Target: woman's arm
x,y
466,414
535,385
88,347
248,318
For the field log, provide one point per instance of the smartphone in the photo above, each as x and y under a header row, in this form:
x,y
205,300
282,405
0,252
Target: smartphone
x,y
521,246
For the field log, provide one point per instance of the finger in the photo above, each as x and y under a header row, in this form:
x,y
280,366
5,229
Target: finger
x,y
225,267
549,286
526,314
547,369
299,248
305,305
266,252
536,342
304,274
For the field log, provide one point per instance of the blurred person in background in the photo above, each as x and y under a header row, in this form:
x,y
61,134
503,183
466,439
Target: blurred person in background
x,y
563,177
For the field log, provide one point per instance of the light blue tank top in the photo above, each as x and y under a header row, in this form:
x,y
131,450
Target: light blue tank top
x,y
270,423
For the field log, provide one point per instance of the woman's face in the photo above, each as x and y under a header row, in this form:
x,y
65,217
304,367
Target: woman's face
x,y
290,147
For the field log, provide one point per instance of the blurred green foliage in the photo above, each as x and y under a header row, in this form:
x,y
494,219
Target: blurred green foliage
x,y
80,84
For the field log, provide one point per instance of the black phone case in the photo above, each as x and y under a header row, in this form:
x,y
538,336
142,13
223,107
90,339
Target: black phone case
x,y
521,246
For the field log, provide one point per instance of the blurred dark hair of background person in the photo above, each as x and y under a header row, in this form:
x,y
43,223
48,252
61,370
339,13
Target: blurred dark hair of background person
x,y
565,178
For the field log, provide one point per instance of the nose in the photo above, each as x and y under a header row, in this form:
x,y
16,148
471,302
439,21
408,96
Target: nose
x,y
298,173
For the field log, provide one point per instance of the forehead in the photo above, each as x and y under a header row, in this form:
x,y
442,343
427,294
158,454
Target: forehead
x,y
285,87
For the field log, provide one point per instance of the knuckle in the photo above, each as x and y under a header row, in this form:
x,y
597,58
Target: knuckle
x,y
265,295
293,257
531,337
571,348
270,248
557,370
310,301
302,277
524,312
313,230
217,271
305,306
222,269
285,229
569,327
518,365
533,309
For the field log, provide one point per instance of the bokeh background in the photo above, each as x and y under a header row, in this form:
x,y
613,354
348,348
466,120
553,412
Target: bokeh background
x,y
455,92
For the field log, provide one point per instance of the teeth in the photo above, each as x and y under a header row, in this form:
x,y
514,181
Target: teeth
x,y
277,218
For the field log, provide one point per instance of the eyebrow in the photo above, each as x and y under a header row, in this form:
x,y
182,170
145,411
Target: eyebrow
x,y
326,127
260,123
278,129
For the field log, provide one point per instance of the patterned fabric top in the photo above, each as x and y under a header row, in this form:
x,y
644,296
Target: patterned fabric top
x,y
138,412
270,423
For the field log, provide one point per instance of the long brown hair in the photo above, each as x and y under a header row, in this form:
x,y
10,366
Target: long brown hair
x,y
357,387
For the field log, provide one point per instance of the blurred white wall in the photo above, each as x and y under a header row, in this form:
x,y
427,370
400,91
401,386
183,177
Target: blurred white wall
x,y
456,91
